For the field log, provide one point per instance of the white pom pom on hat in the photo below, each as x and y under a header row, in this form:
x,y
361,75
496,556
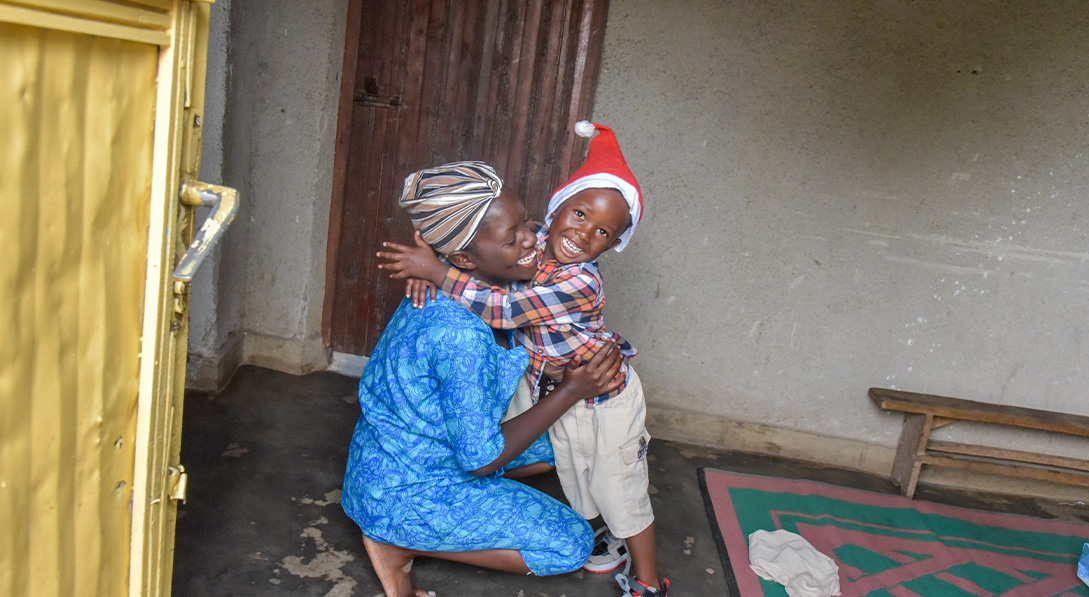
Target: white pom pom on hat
x,y
604,168
585,128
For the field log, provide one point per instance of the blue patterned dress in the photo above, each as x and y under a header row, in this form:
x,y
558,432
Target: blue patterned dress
x,y
433,394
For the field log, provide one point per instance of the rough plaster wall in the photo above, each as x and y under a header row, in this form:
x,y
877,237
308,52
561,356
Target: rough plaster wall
x,y
278,150
207,325
852,194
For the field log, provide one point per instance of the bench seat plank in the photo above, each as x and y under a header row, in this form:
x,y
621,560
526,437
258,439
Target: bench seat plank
x,y
970,410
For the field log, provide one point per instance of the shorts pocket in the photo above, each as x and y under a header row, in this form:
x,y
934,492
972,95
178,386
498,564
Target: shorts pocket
x,y
635,473
636,449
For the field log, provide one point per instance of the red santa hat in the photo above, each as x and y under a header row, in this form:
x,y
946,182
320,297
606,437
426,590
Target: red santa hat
x,y
604,168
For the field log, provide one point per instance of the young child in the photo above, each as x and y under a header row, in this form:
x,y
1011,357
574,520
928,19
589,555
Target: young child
x,y
600,446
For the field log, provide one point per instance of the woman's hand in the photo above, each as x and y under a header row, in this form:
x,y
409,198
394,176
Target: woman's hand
x,y
597,376
412,262
594,377
417,290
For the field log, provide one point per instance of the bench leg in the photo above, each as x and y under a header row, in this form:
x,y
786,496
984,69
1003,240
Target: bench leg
x,y
913,438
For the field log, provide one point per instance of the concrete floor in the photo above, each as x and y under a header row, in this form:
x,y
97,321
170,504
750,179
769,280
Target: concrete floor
x,y
266,458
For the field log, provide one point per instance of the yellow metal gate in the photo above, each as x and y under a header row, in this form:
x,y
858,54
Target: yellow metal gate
x,y
100,105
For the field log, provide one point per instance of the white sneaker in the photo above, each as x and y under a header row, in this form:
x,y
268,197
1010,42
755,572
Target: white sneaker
x,y
609,552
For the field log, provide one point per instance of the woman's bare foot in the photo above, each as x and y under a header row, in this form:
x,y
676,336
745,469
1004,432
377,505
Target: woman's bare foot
x,y
393,565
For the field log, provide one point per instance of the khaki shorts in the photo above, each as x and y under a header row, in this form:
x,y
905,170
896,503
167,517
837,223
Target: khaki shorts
x,y
601,459
521,401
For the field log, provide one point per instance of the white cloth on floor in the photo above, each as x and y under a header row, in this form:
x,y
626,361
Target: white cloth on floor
x,y
790,560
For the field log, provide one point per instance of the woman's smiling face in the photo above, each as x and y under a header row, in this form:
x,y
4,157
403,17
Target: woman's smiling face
x,y
503,249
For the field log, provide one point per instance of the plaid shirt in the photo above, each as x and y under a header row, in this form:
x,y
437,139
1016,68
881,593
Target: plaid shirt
x,y
556,317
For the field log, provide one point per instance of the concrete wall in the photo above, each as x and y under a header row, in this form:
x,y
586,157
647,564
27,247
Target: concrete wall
x,y
838,196
261,300
851,194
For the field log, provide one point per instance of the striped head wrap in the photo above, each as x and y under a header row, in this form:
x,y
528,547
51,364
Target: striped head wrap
x,y
447,203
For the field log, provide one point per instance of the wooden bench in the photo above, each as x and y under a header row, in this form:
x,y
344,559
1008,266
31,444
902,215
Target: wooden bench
x,y
924,413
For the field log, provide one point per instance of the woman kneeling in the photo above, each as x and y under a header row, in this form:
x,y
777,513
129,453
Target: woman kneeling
x,y
425,473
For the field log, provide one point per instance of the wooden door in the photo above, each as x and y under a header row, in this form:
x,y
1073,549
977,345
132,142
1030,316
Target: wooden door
x,y
100,105
432,81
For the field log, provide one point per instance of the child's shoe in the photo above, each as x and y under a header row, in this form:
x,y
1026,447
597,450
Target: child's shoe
x,y
609,552
633,587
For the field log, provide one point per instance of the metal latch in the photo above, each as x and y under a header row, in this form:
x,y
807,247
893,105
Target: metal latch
x,y
178,482
370,98
224,204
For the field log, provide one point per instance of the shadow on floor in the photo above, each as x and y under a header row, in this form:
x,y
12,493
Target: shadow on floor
x,y
266,459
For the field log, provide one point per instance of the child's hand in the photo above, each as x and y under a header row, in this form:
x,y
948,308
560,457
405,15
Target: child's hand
x,y
597,376
412,262
417,289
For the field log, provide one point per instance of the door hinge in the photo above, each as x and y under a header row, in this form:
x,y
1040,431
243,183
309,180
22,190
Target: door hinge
x,y
178,482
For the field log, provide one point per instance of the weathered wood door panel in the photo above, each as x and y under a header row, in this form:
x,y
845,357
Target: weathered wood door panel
x,y
428,82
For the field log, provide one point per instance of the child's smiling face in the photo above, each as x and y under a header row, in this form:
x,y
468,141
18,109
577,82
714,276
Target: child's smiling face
x,y
586,225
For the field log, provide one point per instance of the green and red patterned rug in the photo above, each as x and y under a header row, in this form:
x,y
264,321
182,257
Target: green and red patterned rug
x,y
892,546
